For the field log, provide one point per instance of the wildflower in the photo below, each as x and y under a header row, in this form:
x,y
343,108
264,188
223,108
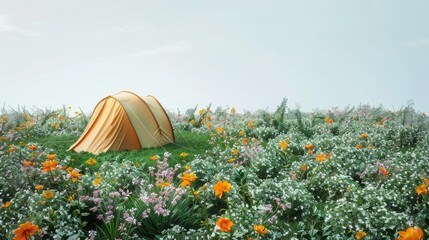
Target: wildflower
x,y
309,146
163,184
32,147
187,178
71,198
327,156
209,125
234,151
221,187
364,135
38,187
51,156
224,224
202,111
192,122
75,175
426,181
283,145
187,167
196,194
421,189
25,231
91,161
329,120
49,165
359,146
260,229
97,181
360,234
69,169
6,204
219,130
241,133
204,187
320,157
370,146
245,141
231,160
154,157
137,164
27,163
48,194
303,167
250,125
412,233
383,171
184,154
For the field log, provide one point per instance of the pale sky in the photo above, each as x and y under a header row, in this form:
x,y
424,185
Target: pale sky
x,y
247,54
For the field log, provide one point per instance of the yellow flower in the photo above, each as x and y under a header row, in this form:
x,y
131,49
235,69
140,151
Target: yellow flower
x,y
245,141
154,157
163,184
209,125
360,234
192,122
224,224
202,111
359,146
71,198
303,167
75,175
232,111
38,187
137,164
51,156
234,151
187,178
250,125
196,194
260,229
221,187
329,120
69,169
6,204
91,161
97,181
231,160
412,233
320,157
219,130
283,145
187,167
25,231
241,133
184,154
48,194
49,165
421,189
370,146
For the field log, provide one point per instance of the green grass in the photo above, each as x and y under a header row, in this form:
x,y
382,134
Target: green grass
x,y
186,141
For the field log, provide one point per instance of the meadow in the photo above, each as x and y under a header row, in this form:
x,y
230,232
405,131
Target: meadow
x,y
355,173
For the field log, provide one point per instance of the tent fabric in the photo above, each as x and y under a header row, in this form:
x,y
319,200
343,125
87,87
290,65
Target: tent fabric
x,y
125,121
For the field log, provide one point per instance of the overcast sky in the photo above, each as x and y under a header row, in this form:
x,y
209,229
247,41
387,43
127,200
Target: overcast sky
x,y
247,54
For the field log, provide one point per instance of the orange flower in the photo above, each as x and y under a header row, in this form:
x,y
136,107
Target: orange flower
x,y
219,130
38,187
260,229
25,231
234,151
51,156
48,194
383,171
202,111
47,166
412,233
6,204
426,181
32,147
27,163
97,181
209,125
359,146
360,234
421,189
329,120
163,184
187,178
91,161
364,135
370,146
283,145
224,224
231,160
192,122
303,167
309,146
154,157
221,187
250,125
245,141
320,157
327,156
75,175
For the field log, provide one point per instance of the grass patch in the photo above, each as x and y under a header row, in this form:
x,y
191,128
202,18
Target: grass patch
x,y
186,141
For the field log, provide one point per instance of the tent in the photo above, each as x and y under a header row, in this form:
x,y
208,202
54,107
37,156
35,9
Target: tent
x,y
125,121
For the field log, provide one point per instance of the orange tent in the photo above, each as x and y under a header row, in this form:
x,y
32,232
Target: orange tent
x,y
125,121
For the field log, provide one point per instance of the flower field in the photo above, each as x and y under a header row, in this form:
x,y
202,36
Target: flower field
x,y
355,173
